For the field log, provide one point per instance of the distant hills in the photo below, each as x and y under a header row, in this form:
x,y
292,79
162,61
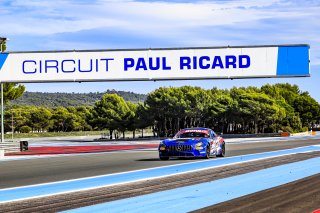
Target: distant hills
x,y
72,99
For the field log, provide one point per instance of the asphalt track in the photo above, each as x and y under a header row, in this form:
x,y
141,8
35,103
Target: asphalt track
x,y
49,169
196,188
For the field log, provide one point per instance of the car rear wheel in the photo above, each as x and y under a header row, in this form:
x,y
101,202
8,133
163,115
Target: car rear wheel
x,y
223,152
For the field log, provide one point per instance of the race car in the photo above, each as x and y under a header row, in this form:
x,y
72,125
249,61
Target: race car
x,y
193,142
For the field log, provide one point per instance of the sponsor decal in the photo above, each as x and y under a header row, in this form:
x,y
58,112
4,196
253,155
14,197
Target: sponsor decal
x,y
195,130
179,148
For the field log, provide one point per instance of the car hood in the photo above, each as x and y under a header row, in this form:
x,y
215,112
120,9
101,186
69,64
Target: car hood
x,y
185,141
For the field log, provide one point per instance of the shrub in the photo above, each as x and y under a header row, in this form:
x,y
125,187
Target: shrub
x,y
25,129
287,129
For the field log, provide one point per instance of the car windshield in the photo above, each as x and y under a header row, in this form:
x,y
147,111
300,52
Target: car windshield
x,y
190,134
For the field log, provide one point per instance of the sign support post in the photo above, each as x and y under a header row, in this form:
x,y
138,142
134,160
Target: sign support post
x,y
2,117
2,42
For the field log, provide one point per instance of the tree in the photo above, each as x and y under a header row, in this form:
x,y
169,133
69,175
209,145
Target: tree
x,y
222,110
281,92
85,115
270,108
308,109
256,107
130,119
144,118
16,117
167,106
40,118
111,112
60,119
156,102
197,105
301,109
175,108
12,91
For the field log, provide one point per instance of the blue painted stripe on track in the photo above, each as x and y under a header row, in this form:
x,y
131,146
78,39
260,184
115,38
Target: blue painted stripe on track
x,y
20,193
198,196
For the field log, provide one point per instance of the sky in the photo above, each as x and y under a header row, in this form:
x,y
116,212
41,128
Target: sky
x,y
38,25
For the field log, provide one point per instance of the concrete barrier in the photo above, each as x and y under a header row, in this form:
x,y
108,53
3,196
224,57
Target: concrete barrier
x,y
259,135
284,134
306,133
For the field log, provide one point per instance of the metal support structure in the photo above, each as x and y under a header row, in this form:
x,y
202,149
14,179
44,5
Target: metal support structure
x,y
2,42
12,127
2,117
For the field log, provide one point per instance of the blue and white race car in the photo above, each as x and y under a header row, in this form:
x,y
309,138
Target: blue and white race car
x,y
193,142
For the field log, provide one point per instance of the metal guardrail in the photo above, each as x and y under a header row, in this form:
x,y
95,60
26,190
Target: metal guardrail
x,y
14,146
10,146
251,135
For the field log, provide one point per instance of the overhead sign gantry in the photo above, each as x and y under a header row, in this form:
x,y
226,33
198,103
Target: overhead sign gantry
x,y
156,64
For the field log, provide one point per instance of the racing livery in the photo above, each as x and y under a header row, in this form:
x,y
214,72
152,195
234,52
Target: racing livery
x,y
193,142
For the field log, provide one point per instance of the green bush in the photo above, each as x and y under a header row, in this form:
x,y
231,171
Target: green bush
x,y
25,129
287,129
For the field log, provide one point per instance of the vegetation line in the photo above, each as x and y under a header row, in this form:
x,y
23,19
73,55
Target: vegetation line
x,y
268,109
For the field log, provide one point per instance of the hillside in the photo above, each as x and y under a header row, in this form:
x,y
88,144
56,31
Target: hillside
x,y
71,99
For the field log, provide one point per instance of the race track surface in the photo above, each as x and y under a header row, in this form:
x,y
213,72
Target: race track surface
x,y
43,170
256,202
296,195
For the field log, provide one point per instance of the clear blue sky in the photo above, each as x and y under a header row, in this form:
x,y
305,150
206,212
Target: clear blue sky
x,y
105,24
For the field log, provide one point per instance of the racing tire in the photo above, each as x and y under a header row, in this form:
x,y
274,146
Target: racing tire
x,y
164,157
207,152
223,153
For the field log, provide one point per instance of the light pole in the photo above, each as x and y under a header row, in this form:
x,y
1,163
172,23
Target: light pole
x,y
2,43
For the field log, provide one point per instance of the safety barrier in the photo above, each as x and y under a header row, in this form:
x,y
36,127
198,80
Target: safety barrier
x,y
10,146
14,146
306,133
250,135
284,134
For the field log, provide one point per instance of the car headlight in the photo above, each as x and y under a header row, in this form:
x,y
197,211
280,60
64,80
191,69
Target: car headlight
x,y
198,146
162,146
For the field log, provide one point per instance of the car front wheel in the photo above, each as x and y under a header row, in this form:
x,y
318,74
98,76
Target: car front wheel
x,y
164,157
207,152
